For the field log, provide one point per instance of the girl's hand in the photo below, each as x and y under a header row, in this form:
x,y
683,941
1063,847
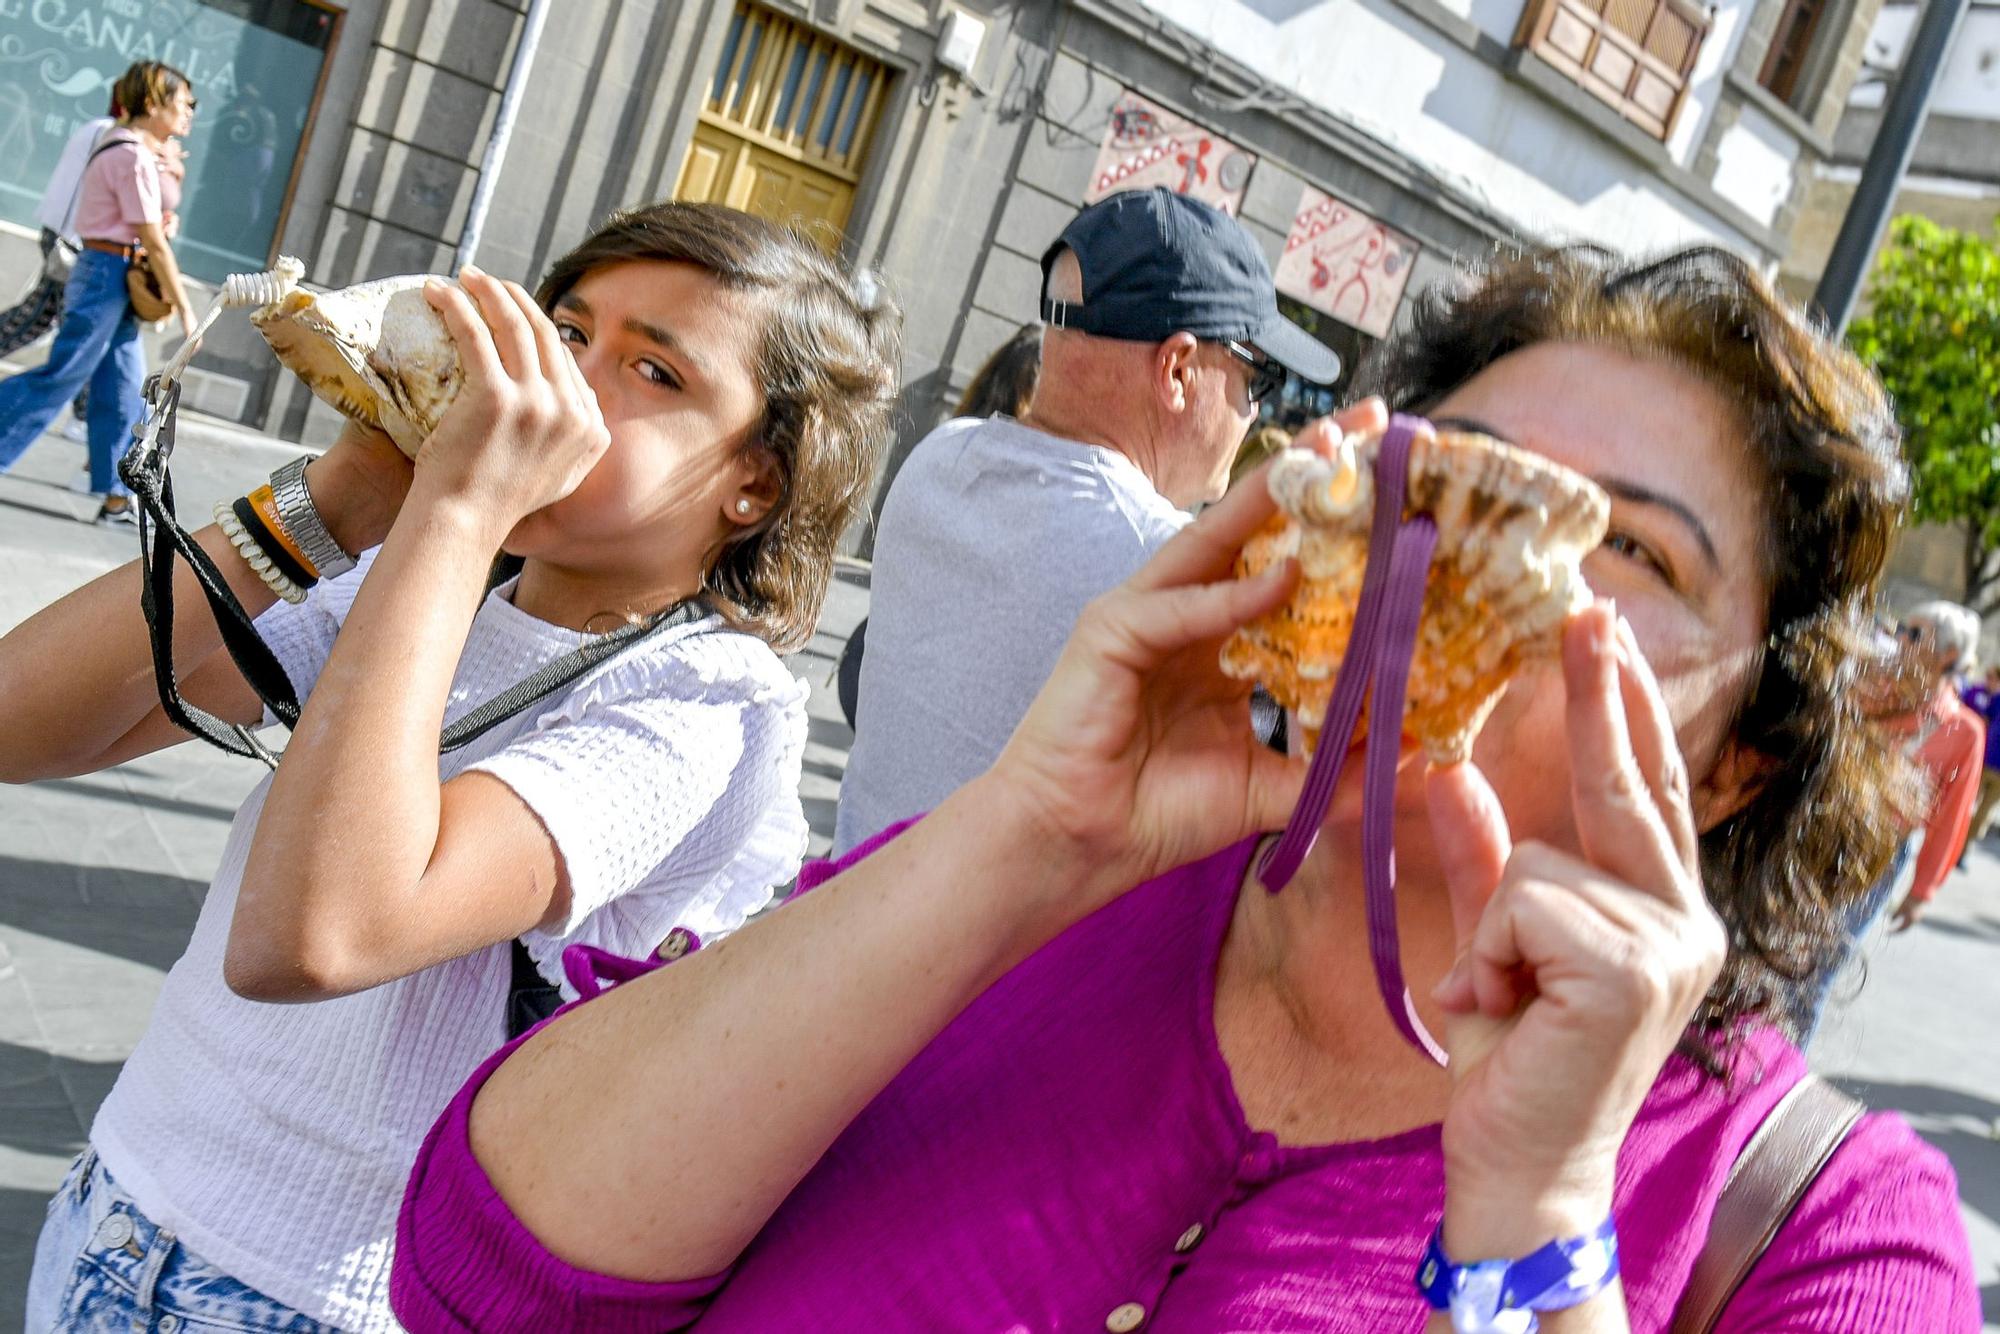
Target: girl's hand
x,y
1138,755
358,486
525,428
1576,975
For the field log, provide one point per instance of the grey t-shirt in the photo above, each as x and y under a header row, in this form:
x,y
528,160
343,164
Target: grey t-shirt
x,y
993,538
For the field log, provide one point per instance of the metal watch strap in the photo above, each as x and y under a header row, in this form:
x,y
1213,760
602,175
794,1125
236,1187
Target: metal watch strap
x,y
302,523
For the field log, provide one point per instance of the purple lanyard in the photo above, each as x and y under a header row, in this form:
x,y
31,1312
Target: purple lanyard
x,y
1379,650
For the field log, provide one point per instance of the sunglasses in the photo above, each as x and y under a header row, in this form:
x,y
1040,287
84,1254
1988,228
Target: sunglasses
x,y
1267,377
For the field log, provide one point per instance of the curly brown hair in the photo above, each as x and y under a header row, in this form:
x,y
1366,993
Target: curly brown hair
x,y
827,362
1824,821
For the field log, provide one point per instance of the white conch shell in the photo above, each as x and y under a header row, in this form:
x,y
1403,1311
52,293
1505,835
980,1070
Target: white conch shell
x,y
375,351
1512,529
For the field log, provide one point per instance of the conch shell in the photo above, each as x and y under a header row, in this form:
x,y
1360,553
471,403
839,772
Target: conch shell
x,y
375,351
1512,529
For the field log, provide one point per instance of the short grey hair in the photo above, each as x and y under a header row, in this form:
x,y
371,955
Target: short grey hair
x,y
1950,628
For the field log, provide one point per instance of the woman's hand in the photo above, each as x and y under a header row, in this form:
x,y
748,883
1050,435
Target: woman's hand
x,y
1908,913
358,486
525,428
1138,755
1577,974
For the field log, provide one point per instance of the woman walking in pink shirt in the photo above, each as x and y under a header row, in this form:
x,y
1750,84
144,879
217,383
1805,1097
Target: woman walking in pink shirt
x,y
125,205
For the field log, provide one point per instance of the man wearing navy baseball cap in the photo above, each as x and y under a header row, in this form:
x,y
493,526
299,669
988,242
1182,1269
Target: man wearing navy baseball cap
x,y
1161,336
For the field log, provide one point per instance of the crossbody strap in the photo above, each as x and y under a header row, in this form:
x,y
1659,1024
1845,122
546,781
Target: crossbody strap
x,y
562,672
1768,1180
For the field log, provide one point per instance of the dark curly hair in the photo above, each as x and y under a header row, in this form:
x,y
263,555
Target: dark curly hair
x,y
826,361
1824,821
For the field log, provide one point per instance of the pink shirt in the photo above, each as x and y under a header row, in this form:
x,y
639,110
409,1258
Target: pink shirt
x,y
1072,1145
124,187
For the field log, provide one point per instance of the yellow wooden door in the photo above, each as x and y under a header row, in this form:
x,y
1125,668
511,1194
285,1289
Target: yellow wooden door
x,y
787,125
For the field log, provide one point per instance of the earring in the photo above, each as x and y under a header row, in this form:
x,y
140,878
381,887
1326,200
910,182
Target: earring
x,y
743,507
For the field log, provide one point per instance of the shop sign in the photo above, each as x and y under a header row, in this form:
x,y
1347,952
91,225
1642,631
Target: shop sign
x,y
255,66
1342,262
1147,145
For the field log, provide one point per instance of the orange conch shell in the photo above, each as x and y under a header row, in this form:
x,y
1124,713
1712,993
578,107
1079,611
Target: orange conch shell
x,y
1512,529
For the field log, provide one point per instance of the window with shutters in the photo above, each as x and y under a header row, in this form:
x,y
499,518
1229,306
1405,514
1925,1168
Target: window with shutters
x,y
785,130
1634,55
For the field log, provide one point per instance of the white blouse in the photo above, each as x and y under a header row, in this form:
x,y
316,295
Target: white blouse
x,y
275,1139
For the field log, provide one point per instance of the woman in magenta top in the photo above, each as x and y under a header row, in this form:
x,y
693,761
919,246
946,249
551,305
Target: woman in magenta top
x,y
1050,1059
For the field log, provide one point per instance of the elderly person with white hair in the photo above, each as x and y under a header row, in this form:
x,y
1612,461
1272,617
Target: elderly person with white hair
x,y
1947,741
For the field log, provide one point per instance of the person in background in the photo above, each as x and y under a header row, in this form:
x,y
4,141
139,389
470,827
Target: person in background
x,y
39,311
1001,387
1984,700
1944,741
1005,384
1948,741
125,207
1162,335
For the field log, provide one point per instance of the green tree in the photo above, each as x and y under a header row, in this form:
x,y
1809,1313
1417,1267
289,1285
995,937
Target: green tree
x,y
1933,334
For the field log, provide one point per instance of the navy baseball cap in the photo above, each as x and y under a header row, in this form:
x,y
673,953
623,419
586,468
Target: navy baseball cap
x,y
1156,263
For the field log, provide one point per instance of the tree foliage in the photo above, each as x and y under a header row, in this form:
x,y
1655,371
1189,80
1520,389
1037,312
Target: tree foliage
x,y
1933,334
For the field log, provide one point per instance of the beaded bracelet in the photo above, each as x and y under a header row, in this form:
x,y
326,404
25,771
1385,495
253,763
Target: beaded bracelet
x,y
257,527
253,555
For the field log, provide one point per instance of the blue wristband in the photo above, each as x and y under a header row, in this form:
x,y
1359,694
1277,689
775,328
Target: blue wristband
x,y
1502,1296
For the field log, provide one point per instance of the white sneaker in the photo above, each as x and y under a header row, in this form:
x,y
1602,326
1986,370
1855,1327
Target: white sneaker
x,y
81,483
76,430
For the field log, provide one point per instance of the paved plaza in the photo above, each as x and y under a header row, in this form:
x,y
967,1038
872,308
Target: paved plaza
x,y
101,877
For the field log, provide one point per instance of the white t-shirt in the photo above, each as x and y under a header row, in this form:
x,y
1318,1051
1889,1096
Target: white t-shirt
x,y
993,538
276,1139
59,196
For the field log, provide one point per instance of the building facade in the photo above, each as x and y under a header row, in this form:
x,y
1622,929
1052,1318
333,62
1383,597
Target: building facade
x,y
1370,144
1953,179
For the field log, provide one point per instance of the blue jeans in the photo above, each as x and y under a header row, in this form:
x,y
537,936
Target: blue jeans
x,y
96,347
101,1265
1807,1004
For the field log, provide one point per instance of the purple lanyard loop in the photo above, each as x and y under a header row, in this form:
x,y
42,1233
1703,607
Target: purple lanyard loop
x,y
1379,650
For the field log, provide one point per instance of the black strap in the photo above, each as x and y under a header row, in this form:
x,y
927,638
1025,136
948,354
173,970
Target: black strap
x,y
531,997
563,671
161,537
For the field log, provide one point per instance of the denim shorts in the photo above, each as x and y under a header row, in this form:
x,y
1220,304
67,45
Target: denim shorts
x,y
101,1265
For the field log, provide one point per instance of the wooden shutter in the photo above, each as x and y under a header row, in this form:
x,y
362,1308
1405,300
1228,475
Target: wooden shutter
x,y
1634,55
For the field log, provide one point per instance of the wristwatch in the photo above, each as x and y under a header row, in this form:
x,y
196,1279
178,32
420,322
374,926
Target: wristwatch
x,y
302,522
1502,1296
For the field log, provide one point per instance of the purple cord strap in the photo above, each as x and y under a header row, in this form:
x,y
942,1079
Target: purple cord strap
x,y
1380,649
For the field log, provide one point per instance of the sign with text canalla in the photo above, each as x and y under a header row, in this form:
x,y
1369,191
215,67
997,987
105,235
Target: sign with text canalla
x,y
1342,262
255,66
1147,145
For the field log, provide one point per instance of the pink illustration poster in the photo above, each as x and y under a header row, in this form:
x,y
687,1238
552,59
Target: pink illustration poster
x,y
1147,145
1342,262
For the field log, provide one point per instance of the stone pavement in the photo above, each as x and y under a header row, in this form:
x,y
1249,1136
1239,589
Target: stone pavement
x,y
101,877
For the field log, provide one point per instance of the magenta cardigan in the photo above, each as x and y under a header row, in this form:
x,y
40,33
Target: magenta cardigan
x,y
1069,1155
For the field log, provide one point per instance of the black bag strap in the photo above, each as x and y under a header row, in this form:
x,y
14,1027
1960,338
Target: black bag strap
x,y
161,538
562,672
531,997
